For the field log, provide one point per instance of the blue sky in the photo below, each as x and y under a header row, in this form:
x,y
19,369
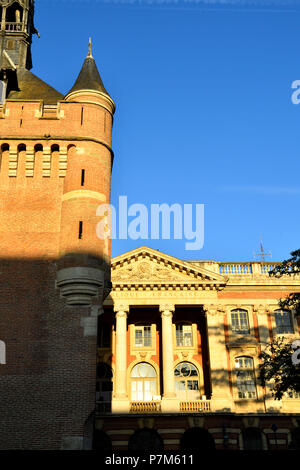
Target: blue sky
x,y
204,112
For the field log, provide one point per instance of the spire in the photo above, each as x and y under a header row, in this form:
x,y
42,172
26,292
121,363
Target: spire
x,y
89,77
90,49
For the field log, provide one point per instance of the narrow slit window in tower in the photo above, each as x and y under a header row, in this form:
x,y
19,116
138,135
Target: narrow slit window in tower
x,y
82,177
80,230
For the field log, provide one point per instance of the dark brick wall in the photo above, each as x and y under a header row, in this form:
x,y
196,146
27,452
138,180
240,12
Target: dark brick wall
x,y
47,385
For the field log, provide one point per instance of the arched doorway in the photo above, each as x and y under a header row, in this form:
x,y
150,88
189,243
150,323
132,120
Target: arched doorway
x,y
101,441
146,439
197,439
252,439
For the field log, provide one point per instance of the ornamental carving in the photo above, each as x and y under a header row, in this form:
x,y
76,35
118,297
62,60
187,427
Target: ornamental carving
x,y
213,310
148,271
261,309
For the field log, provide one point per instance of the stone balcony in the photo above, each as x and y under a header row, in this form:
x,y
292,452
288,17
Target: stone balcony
x,y
145,407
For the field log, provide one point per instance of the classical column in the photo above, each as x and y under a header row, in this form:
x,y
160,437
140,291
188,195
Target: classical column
x,y
168,358
120,391
221,396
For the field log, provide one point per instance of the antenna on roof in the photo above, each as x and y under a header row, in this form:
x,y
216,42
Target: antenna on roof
x,y
261,255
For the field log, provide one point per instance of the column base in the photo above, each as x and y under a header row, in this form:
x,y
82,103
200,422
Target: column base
x,y
120,405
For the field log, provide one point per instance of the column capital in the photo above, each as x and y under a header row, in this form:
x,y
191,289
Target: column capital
x,y
121,310
167,309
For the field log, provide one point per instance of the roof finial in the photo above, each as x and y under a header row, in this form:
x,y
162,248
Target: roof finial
x,y
90,49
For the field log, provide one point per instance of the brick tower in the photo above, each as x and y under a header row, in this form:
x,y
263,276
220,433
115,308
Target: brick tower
x,y
56,162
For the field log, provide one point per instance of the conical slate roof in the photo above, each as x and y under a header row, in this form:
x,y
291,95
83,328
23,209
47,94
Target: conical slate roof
x,y
89,78
33,88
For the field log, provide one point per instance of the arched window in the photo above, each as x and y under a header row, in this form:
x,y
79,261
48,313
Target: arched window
x,y
38,148
252,439
143,380
245,378
4,148
187,385
284,323
54,148
104,387
184,334
239,321
14,13
2,352
21,148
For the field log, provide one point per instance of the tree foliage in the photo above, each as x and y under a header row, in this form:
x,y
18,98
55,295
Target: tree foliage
x,y
289,267
277,365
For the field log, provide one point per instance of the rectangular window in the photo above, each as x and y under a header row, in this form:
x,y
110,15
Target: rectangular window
x,y
143,336
239,322
283,322
82,177
184,335
80,230
245,379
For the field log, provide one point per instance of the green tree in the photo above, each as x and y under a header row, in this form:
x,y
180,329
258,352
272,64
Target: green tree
x,y
277,366
289,267
278,359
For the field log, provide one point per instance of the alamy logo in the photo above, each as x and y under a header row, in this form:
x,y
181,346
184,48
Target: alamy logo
x,y
162,221
296,94
296,353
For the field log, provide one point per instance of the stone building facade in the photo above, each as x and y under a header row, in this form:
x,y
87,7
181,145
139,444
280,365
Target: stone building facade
x,y
181,366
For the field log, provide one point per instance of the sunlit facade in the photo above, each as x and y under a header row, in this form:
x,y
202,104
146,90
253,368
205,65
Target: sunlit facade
x,y
183,354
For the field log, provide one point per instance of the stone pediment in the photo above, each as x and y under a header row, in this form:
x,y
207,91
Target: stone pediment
x,y
148,266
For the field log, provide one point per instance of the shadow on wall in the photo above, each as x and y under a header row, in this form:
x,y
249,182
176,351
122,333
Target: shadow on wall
x,y
194,438
48,358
